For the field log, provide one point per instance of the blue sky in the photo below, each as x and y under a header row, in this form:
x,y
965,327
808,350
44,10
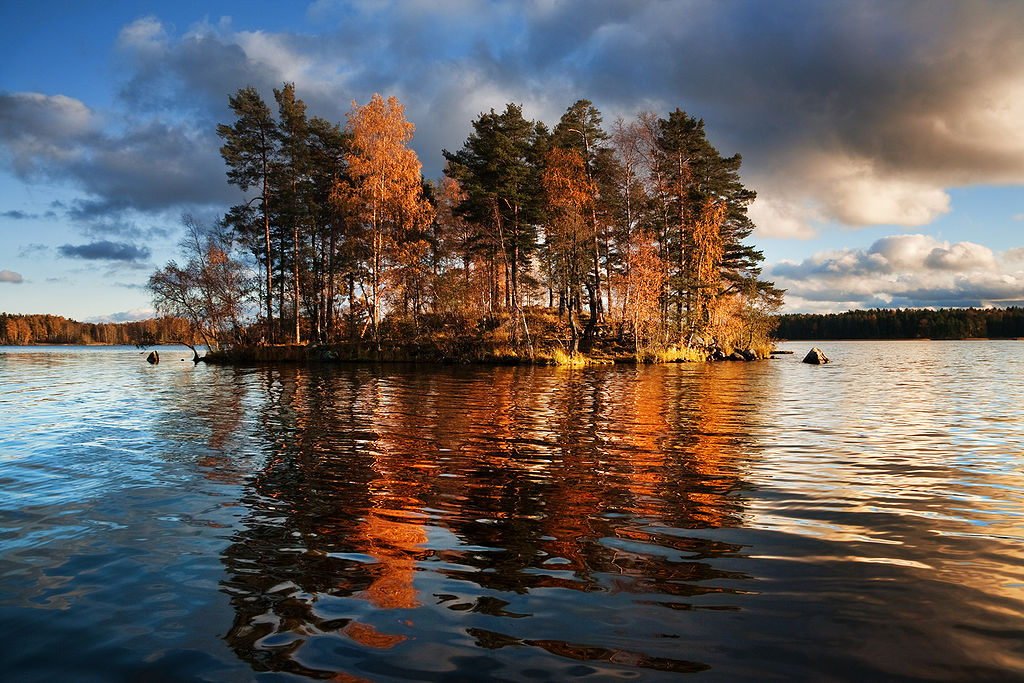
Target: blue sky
x,y
885,139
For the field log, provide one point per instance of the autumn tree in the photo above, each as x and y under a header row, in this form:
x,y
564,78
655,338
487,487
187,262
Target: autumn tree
x,y
569,204
210,292
645,277
386,194
580,130
706,264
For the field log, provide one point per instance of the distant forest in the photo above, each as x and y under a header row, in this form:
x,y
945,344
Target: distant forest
x,y
945,323
19,330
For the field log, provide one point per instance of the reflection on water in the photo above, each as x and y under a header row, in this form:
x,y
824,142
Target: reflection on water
x,y
490,510
856,520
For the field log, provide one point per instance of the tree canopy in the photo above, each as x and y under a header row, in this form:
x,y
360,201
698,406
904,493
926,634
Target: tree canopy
x,y
635,232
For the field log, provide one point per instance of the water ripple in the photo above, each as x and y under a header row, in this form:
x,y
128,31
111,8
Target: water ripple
x,y
858,520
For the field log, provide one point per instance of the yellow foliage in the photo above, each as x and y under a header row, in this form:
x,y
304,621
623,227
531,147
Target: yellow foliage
x,y
676,354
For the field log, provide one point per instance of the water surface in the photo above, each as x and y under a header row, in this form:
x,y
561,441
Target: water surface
x,y
748,521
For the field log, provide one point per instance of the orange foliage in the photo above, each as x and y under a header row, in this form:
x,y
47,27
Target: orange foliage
x,y
645,280
706,261
386,194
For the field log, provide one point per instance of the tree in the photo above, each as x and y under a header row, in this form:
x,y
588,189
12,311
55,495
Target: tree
x,y
210,292
499,169
580,129
293,180
327,144
691,173
706,268
645,279
386,193
569,197
250,151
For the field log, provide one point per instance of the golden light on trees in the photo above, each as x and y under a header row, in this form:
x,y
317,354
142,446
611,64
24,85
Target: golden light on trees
x,y
387,191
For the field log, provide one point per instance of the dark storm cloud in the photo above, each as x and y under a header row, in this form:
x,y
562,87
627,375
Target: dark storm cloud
x,y
105,251
862,112
867,111
145,166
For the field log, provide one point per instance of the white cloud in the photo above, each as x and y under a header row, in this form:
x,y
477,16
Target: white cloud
x,y
142,313
10,276
146,33
275,54
779,218
856,192
903,271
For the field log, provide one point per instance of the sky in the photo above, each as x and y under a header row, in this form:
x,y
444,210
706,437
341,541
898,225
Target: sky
x,y
885,140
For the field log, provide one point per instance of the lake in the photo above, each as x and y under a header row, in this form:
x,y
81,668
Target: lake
x,y
732,521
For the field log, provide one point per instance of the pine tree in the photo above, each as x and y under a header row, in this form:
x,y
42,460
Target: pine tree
x,y
499,169
250,150
292,180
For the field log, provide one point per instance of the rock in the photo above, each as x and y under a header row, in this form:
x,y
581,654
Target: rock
x,y
736,355
153,357
816,357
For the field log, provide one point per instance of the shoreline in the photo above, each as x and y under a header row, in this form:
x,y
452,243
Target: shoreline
x,y
484,354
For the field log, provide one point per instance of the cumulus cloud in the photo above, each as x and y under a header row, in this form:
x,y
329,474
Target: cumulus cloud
x,y
10,276
105,251
903,271
143,313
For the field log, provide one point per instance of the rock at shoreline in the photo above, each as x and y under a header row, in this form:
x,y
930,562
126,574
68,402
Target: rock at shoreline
x,y
816,357
153,357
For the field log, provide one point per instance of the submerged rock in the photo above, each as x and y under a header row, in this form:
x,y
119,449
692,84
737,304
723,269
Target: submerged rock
x,y
153,357
816,357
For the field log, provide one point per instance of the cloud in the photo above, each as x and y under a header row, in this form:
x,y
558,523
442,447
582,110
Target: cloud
x,y
903,271
143,313
10,276
32,250
105,251
858,113
141,166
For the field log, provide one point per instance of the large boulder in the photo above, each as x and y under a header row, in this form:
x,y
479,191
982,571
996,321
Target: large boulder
x,y
153,357
816,357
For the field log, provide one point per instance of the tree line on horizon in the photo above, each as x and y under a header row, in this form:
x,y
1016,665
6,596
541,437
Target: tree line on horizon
x,y
637,231
20,330
904,323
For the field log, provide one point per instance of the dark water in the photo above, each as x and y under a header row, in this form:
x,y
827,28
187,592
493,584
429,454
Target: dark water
x,y
758,521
